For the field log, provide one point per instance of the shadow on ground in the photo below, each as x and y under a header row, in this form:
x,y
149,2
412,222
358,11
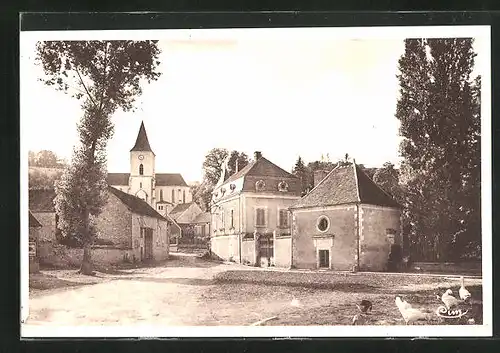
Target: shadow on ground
x,y
174,280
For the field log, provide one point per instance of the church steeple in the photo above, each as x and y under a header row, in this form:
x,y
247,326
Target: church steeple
x,y
142,142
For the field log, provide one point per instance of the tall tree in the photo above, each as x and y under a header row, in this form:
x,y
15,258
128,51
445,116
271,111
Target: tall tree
x,y
108,76
212,165
301,171
387,178
237,161
440,129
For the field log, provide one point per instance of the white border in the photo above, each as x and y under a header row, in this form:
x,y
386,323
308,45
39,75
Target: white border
x,y
367,33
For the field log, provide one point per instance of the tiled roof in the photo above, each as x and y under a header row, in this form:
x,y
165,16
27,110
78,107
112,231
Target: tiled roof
x,y
33,222
180,208
162,179
269,172
142,142
343,185
42,200
118,178
169,179
204,217
135,204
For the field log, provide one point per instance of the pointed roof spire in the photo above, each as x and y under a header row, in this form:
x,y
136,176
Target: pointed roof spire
x,y
142,142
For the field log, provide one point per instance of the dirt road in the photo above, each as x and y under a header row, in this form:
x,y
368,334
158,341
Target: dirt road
x,y
166,295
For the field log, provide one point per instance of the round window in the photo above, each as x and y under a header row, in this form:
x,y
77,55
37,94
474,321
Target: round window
x,y
323,223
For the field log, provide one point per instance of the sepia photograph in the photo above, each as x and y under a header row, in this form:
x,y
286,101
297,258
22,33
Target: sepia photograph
x,y
256,182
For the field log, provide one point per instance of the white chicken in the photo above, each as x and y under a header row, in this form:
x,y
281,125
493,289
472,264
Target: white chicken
x,y
463,293
449,300
409,313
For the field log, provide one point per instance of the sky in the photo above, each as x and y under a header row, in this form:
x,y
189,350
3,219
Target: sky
x,y
302,95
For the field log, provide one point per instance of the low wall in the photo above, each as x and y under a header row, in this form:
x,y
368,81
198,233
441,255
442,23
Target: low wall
x,y
60,256
447,267
282,252
248,251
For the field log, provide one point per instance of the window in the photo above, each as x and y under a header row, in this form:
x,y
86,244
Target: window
x,y
141,169
179,195
323,224
184,196
283,218
232,218
173,195
222,220
140,185
160,207
260,185
283,186
260,217
161,195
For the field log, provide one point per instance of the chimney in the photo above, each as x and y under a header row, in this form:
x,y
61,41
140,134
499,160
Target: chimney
x,y
319,175
236,167
257,155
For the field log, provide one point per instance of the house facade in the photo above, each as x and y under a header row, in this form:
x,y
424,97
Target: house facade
x,y
250,217
346,222
128,228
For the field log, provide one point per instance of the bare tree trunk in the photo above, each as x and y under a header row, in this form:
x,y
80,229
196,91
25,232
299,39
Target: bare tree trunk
x,y
86,267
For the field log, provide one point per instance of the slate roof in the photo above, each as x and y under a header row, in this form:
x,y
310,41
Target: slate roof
x,y
162,179
42,200
135,204
264,169
169,179
33,222
180,208
118,178
204,217
142,142
343,185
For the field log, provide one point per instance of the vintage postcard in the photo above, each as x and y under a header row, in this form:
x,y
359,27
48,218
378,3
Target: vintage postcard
x,y
305,182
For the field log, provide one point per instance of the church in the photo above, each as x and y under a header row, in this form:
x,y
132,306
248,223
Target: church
x,y
162,191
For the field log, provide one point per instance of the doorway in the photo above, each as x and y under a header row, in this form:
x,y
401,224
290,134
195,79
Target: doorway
x,y
148,244
324,258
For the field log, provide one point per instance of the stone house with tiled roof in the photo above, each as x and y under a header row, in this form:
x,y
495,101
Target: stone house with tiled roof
x,y
128,228
346,222
250,217
163,191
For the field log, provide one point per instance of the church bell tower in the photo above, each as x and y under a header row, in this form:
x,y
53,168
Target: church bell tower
x,y
142,169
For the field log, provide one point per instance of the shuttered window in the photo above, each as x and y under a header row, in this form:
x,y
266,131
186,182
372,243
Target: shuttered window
x,y
283,218
260,217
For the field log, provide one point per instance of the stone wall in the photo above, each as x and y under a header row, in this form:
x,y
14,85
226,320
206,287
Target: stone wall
x,y
282,252
226,247
375,244
342,227
114,224
248,252
161,236
48,221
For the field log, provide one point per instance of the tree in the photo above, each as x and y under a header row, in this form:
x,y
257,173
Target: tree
x,y
44,158
439,117
301,171
108,76
387,178
237,161
212,165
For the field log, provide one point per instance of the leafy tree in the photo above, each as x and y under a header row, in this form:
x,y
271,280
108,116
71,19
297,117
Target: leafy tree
x,y
44,158
212,165
237,158
387,178
108,76
439,113
44,180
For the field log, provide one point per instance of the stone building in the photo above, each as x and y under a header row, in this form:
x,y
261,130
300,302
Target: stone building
x,y
346,222
163,191
250,217
34,227
128,228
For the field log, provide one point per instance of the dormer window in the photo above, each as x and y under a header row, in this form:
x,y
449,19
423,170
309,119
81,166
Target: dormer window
x,y
222,191
260,185
232,187
283,186
141,169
